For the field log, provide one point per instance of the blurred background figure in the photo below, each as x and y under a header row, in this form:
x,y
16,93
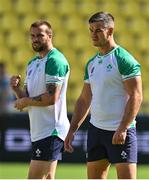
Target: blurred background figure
x,y
6,96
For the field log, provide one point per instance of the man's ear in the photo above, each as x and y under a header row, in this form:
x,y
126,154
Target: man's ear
x,y
110,31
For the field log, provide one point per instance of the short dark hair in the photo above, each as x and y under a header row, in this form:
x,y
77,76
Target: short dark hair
x,y
40,23
105,17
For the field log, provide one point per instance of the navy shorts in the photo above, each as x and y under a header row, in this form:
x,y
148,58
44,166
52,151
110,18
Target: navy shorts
x,y
47,149
99,146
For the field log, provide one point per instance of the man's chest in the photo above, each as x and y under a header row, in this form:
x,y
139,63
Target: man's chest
x,y
103,71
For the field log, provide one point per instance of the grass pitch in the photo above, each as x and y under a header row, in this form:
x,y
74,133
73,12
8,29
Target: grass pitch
x,y
64,171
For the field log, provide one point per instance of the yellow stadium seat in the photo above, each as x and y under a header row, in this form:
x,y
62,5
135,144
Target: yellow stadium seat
x,y
144,8
5,6
5,55
55,21
65,8
128,8
28,20
23,7
81,41
108,6
87,7
140,42
16,39
70,55
73,24
60,39
136,24
45,7
2,38
23,55
9,21
126,40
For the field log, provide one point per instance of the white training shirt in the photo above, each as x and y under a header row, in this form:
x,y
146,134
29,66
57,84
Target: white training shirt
x,y
49,120
106,74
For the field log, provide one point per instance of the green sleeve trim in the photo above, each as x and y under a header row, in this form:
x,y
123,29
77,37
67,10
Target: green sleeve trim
x,y
127,65
57,65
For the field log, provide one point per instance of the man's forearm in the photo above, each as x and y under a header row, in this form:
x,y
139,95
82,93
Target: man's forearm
x,y
131,111
80,113
42,100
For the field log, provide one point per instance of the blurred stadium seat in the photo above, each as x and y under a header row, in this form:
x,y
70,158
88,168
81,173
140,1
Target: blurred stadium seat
x,y
65,8
23,55
27,20
73,24
5,6
23,7
60,39
16,39
87,8
44,7
69,19
9,21
144,8
5,55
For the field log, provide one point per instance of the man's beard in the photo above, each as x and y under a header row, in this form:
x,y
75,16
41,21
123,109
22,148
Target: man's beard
x,y
38,48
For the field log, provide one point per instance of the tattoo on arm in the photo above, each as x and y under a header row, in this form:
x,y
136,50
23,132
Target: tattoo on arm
x,y
51,88
37,98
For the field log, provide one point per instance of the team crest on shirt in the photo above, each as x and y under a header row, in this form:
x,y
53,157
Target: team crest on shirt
x,y
109,67
100,61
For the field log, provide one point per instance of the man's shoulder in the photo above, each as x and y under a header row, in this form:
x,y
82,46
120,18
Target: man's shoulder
x,y
32,59
56,56
92,59
122,53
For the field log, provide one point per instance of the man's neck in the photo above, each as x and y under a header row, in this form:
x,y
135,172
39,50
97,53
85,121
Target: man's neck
x,y
42,54
106,49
